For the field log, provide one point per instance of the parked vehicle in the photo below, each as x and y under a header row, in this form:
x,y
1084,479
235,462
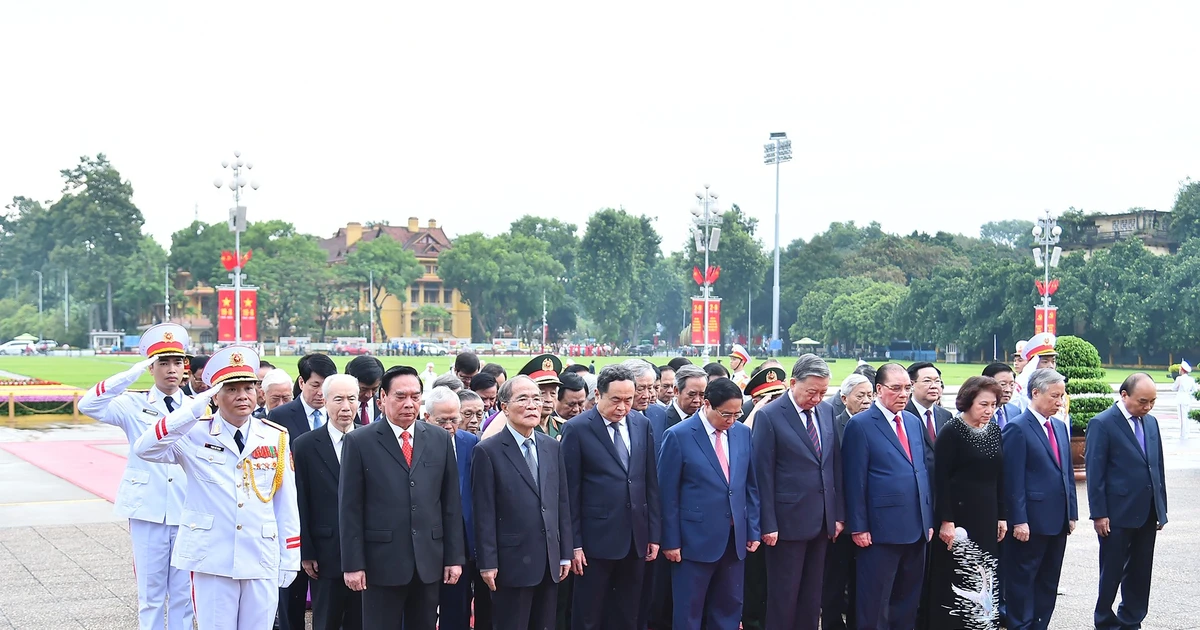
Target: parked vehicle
x,y
16,348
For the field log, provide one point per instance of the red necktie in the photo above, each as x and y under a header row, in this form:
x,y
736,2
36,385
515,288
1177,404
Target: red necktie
x,y
1053,443
903,438
363,413
929,424
406,446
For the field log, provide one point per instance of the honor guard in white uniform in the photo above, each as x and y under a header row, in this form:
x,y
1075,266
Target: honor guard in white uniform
x,y
150,495
738,358
240,528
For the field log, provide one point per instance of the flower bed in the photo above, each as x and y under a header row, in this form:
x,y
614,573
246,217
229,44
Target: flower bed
x,y
28,397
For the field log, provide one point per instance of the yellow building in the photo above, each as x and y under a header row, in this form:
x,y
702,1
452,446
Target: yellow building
x,y
1148,226
426,243
190,308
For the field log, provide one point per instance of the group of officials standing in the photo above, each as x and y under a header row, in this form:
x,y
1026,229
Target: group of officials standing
x,y
642,512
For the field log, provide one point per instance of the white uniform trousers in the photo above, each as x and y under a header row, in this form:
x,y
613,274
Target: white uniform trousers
x,y
227,604
164,592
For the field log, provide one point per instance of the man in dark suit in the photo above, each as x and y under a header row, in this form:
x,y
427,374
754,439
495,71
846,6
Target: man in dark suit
x,y
926,394
318,468
369,371
1005,411
1127,494
889,509
838,596
400,510
1039,486
800,483
305,413
615,508
522,513
690,382
710,509
454,606
835,400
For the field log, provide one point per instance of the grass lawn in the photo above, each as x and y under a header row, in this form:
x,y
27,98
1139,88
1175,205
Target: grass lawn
x,y
86,371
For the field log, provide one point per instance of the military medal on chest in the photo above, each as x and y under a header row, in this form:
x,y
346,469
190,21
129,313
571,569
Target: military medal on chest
x,y
265,458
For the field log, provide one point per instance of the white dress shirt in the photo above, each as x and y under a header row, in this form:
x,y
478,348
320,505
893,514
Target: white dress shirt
x,y
804,421
679,410
1041,422
622,430
1128,416
337,436
891,418
412,435
308,414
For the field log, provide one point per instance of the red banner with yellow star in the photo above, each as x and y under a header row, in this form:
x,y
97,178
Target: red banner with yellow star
x,y
227,310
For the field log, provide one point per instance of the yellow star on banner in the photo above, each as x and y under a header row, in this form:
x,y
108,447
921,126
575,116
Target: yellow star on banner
x,y
248,302
226,302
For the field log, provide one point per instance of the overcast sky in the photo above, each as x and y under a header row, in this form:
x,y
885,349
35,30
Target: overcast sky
x,y
918,115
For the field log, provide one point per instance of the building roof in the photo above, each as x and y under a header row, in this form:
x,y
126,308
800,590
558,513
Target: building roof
x,y
423,241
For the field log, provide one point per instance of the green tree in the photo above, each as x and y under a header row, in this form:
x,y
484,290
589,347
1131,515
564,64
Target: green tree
x,y
560,237
617,253
473,267
1185,214
291,275
1121,278
392,267
1013,233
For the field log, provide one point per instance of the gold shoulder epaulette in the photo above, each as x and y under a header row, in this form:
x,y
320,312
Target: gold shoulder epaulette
x,y
275,425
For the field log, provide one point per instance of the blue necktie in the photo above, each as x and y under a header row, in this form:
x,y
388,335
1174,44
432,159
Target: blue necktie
x,y
1139,433
317,419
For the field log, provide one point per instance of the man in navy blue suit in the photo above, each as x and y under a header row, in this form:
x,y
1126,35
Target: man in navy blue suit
x,y
454,605
615,509
888,507
710,509
1127,494
1039,486
800,484
1004,375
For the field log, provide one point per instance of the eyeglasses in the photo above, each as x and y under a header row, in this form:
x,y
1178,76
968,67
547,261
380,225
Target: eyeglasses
x,y
935,382
468,415
896,389
525,401
733,415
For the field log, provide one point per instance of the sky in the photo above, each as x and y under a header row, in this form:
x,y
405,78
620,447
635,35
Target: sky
x,y
919,115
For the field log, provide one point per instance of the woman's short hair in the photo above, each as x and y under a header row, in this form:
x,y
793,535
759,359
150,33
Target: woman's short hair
x,y
971,389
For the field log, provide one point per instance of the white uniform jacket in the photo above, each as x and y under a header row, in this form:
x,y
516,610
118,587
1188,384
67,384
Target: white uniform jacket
x,y
226,529
148,492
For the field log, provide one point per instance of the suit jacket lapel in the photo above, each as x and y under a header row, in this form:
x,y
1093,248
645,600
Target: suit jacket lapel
x,y
328,456
636,435
701,435
420,437
517,458
825,427
1128,431
544,459
600,428
884,423
387,439
796,423
1041,433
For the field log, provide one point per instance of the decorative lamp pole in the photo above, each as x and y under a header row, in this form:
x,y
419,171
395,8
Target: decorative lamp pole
x,y
237,225
777,151
1046,234
707,234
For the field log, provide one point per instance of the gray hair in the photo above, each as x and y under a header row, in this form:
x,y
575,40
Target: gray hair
x,y
505,392
276,377
810,365
852,381
466,395
1043,378
637,368
686,373
589,380
450,381
334,379
440,395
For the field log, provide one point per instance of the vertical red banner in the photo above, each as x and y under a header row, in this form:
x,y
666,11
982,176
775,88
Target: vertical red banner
x,y
225,314
249,313
1045,320
714,321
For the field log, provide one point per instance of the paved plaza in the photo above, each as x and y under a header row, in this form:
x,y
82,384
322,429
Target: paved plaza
x,y
66,562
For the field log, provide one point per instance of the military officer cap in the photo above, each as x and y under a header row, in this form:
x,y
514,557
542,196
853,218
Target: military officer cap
x,y
738,352
767,381
233,364
543,369
164,340
1041,344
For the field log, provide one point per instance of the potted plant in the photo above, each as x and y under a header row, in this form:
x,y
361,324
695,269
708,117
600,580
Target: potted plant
x,y
1087,391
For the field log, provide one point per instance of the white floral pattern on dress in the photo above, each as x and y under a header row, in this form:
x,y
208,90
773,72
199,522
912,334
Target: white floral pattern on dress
x,y
976,604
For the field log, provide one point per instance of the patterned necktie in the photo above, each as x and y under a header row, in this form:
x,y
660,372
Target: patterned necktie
x,y
619,442
901,435
1139,433
929,424
406,446
237,439
1053,443
170,404
530,461
1000,419
721,457
812,432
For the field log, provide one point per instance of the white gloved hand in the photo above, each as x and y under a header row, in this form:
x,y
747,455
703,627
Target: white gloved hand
x,y
143,365
200,402
286,578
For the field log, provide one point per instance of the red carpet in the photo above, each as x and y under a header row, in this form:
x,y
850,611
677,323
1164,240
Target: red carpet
x,y
79,462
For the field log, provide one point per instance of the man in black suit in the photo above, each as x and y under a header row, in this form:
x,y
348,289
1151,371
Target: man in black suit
x,y
400,510
690,383
799,470
1127,494
369,371
615,508
305,413
926,394
318,457
522,513
444,409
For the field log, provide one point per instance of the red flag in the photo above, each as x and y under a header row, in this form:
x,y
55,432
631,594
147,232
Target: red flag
x,y
1040,287
1053,286
246,257
696,275
712,275
227,260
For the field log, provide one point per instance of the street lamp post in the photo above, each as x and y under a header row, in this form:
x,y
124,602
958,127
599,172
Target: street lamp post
x,y
1046,232
707,234
237,225
776,152
40,331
